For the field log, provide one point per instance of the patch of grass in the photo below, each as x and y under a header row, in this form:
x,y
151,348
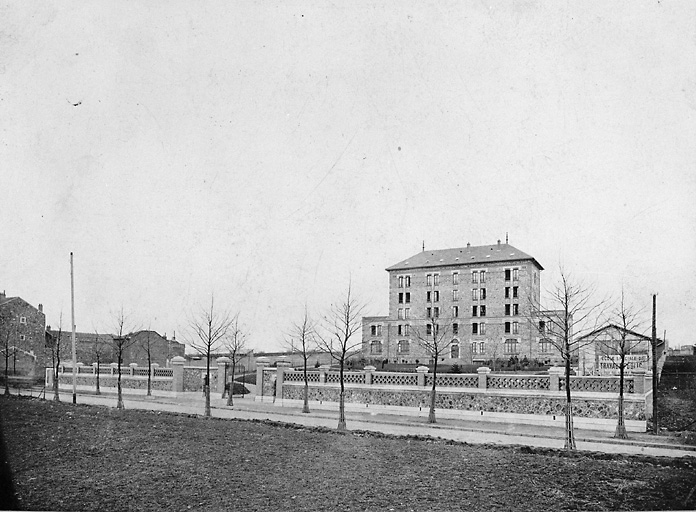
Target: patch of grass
x,y
79,457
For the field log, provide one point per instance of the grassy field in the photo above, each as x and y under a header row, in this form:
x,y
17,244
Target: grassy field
x,y
78,457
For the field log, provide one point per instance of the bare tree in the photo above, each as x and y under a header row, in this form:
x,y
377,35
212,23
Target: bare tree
x,y
55,357
209,329
343,320
434,336
146,345
617,341
235,343
303,339
569,316
99,351
122,341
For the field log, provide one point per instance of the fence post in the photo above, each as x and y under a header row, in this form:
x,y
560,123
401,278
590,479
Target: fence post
x,y
369,369
261,363
133,366
422,371
221,364
639,381
281,367
555,373
153,367
483,372
323,370
178,374
114,368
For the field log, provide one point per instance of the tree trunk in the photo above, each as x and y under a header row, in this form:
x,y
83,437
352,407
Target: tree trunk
x,y
305,405
206,387
149,373
56,396
431,414
119,400
570,431
98,389
620,426
341,403
229,396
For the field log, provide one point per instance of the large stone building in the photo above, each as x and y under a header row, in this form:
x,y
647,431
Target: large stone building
x,y
482,295
22,337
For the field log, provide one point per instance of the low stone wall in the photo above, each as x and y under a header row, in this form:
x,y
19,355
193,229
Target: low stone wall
x,y
605,408
516,395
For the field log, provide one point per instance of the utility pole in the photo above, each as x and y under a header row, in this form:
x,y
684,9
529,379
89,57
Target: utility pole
x,y
656,429
74,352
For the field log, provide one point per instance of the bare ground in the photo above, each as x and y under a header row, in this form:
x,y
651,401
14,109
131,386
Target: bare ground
x,y
78,457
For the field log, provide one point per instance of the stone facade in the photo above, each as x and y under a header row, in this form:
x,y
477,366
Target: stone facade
x,y
483,297
23,335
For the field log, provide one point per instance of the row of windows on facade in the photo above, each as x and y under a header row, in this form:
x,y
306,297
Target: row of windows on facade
x,y
478,310
476,294
477,276
476,328
510,347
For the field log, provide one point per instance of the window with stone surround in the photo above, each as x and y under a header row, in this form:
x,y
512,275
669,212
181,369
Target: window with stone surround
x,y
483,294
454,350
514,291
455,295
401,282
515,327
515,309
407,280
455,311
507,309
515,274
483,276
474,277
474,294
482,328
482,309
407,313
545,345
400,314
474,328
376,347
22,319
511,346
455,328
401,298
403,347
507,327
474,310
455,278
408,297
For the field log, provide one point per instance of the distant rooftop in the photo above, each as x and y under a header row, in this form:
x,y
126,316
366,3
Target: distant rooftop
x,y
469,255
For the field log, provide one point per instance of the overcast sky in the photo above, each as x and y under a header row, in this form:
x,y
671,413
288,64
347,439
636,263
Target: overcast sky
x,y
269,153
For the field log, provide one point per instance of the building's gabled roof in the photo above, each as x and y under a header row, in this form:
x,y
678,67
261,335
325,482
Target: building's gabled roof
x,y
619,328
470,255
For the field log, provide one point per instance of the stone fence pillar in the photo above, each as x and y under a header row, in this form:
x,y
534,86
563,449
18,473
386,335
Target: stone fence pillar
x,y
153,367
369,370
422,372
483,372
639,381
178,374
133,366
114,369
261,363
323,370
281,367
222,363
555,373
96,368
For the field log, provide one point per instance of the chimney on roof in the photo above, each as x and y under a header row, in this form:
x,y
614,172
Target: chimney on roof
x,y
2,295
498,241
468,244
40,308
506,238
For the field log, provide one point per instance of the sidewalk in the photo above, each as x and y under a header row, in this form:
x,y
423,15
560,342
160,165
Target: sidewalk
x,y
326,416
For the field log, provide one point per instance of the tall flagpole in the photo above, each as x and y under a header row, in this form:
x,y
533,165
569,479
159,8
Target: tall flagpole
x,y
74,353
